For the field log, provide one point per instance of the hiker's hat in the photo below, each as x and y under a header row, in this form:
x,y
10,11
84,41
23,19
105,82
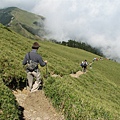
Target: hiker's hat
x,y
35,45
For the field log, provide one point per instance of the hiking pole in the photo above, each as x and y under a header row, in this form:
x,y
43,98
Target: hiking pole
x,y
46,74
46,71
26,84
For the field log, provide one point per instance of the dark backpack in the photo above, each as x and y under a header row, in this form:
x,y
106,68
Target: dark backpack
x,y
31,65
81,65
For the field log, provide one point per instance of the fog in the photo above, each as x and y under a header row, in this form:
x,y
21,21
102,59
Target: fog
x,y
96,22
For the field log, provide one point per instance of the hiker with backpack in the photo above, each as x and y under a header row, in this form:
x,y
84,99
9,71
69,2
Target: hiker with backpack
x,y
84,65
32,59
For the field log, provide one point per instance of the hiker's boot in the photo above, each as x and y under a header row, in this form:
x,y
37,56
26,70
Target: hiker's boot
x,y
35,86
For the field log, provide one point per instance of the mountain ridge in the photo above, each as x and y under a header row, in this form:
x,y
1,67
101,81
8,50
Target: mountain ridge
x,y
23,22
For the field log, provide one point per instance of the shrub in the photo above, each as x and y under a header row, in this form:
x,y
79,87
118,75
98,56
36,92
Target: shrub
x,y
9,108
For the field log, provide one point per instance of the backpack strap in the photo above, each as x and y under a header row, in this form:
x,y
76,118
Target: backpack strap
x,y
29,56
28,61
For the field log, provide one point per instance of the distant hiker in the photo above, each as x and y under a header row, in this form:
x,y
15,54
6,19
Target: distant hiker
x,y
94,59
31,60
84,65
90,66
100,58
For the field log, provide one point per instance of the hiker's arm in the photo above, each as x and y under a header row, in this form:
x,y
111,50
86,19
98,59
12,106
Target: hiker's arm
x,y
41,62
25,60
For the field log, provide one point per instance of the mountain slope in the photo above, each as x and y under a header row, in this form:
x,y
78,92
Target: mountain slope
x,y
94,95
25,23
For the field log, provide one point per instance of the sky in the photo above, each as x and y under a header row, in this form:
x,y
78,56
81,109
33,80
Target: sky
x,y
96,22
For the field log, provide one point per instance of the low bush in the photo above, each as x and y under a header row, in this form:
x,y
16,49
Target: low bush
x,y
9,108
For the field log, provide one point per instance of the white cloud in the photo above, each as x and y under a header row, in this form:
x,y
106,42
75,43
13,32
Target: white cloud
x,y
97,21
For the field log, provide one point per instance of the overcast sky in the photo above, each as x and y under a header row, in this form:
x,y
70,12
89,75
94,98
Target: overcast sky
x,y
94,21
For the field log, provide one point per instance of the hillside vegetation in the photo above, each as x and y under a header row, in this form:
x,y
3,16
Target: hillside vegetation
x,y
25,23
93,96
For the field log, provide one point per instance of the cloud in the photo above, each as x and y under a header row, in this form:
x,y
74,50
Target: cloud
x,y
96,22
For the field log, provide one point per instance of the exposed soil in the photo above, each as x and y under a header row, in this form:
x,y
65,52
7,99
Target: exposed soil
x,y
77,74
36,106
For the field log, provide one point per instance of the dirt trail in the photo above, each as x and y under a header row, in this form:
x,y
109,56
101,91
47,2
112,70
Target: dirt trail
x,y
77,74
36,106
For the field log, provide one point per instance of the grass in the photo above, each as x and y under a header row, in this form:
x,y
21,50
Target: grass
x,y
22,22
9,108
93,96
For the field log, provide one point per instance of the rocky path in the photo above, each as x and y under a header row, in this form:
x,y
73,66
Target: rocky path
x,y
36,106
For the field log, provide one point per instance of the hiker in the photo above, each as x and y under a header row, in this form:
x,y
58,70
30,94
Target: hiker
x,y
33,58
94,59
90,66
84,66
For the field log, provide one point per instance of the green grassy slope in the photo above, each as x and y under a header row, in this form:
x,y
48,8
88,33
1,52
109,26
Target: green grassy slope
x,y
23,22
93,96
9,108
